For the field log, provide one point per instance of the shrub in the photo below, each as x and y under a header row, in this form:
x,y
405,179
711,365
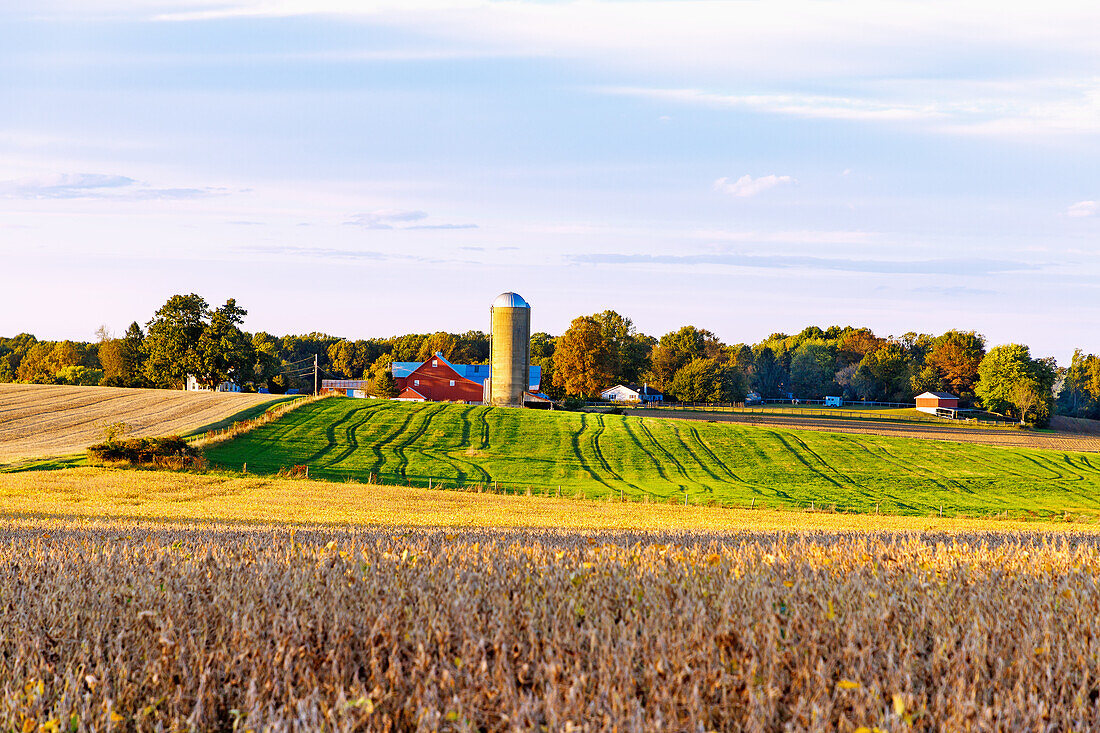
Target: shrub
x,y
142,450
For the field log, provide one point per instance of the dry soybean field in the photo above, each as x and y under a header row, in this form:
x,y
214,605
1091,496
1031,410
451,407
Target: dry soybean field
x,y
39,420
130,626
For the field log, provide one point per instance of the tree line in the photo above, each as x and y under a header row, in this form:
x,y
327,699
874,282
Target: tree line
x,y
188,336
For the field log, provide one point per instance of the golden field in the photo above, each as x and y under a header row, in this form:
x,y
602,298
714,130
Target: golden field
x,y
123,625
189,497
40,420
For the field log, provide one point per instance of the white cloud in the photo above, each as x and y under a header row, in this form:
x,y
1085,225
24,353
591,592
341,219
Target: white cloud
x,y
797,105
995,108
386,218
97,186
746,185
1083,208
881,60
399,219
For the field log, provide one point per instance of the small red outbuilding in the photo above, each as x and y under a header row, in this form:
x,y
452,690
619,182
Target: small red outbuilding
x,y
931,402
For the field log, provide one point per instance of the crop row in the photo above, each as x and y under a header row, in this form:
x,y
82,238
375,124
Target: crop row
x,y
140,627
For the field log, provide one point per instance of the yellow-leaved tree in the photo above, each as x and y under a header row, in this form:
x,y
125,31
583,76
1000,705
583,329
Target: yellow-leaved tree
x,y
582,359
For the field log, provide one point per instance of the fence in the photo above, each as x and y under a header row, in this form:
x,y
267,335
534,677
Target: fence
x,y
793,408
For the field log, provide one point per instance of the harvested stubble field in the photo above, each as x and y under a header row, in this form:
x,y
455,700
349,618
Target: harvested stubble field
x,y
165,496
38,420
145,627
658,459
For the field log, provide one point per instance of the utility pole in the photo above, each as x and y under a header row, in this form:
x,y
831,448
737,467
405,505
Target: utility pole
x,y
314,374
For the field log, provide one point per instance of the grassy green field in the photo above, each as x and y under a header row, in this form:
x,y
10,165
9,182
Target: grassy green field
x,y
661,459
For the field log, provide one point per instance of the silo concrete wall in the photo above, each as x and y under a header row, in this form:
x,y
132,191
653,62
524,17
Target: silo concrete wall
x,y
511,355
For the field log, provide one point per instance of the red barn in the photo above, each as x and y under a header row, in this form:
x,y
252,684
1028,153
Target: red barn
x,y
436,380
933,402
439,381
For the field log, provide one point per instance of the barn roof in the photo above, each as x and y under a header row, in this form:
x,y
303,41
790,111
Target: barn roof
x,y
939,395
474,372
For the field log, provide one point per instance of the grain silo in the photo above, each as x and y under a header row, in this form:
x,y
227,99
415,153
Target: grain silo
x,y
510,350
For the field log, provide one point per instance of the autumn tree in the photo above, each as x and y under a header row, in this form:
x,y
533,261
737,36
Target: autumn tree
x,y
437,343
857,343
582,359
956,356
44,361
123,359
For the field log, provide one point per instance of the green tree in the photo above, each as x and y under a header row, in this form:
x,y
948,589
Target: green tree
x,y
767,377
582,359
380,381
472,348
628,350
884,375
676,349
223,352
1010,381
79,375
812,369
186,338
173,334
926,380
407,347
708,380
12,351
1080,393
542,355
269,367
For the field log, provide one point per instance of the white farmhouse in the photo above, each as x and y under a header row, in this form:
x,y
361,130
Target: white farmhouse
x,y
631,393
192,385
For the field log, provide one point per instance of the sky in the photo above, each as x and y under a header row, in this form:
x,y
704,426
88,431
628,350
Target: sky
x,y
369,169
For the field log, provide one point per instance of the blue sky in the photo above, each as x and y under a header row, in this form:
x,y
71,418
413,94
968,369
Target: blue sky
x,y
747,167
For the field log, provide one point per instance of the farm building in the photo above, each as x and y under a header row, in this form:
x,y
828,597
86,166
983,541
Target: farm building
x,y
434,380
192,385
943,404
631,393
508,380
